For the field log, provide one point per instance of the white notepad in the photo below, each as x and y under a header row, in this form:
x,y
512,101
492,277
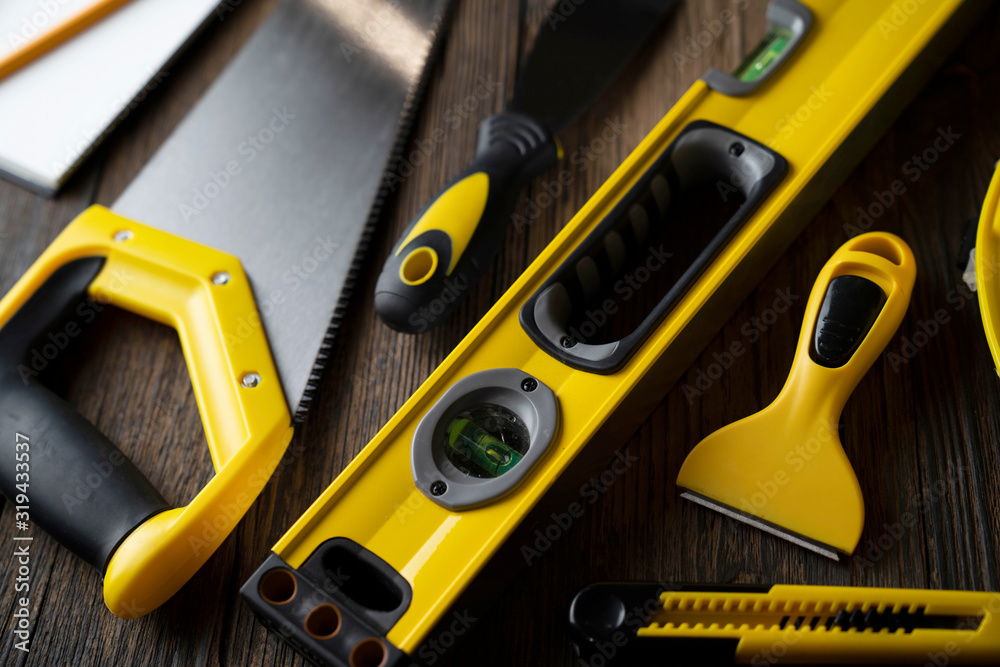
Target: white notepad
x,y
57,108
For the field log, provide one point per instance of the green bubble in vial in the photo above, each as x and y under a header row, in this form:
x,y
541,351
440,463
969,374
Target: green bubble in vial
x,y
476,447
756,65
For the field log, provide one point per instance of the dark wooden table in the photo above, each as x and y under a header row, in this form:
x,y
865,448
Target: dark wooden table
x,y
923,434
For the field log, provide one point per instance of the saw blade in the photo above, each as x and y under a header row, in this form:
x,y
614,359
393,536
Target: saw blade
x,y
282,163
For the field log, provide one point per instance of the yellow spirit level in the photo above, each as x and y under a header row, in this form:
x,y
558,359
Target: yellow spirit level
x,y
591,336
650,624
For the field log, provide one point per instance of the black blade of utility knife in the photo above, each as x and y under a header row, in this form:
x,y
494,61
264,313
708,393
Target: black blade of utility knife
x,y
580,50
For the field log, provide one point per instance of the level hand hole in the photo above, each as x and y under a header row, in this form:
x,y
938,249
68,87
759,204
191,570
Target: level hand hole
x,y
369,653
361,579
323,622
277,586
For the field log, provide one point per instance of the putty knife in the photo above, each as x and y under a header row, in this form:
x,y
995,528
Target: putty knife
x,y
580,50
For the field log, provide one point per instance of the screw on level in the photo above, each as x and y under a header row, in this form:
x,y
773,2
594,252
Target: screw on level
x,y
123,235
529,384
438,488
567,341
736,149
221,278
250,380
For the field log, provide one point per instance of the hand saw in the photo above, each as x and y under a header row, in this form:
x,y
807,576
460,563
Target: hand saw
x,y
455,238
683,229
650,624
243,230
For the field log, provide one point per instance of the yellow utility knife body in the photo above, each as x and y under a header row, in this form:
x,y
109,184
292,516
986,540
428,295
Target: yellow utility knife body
x,y
653,625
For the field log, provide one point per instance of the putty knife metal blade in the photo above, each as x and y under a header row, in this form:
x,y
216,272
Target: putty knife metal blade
x,y
761,524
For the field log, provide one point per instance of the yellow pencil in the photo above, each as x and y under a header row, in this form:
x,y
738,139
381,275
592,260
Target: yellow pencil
x,y
57,35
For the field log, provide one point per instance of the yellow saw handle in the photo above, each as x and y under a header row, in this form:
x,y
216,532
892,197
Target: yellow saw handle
x,y
68,477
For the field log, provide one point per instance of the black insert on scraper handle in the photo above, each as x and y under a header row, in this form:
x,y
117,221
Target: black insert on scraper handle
x,y
849,310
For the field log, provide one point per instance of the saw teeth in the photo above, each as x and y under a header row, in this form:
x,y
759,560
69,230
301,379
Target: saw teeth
x,y
406,120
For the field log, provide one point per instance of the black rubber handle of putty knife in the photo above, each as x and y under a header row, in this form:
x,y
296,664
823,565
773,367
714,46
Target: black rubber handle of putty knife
x,y
446,250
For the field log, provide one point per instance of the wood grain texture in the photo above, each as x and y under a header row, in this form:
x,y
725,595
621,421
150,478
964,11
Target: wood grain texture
x,y
923,434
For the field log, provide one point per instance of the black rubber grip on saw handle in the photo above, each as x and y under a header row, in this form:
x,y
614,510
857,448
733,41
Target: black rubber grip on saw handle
x,y
447,249
80,488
